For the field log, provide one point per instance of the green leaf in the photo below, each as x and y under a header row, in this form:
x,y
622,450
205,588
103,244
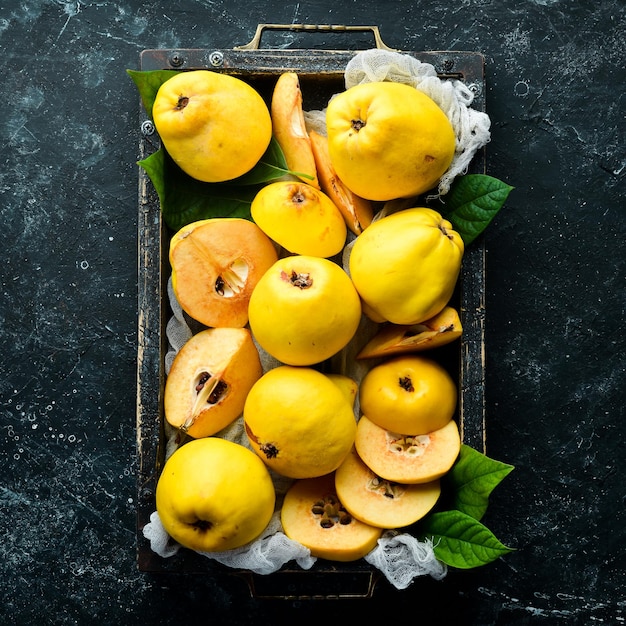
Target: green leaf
x,y
461,541
184,199
472,479
472,202
148,84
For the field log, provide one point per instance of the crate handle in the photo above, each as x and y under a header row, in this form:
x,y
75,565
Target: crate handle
x,y
255,42
311,585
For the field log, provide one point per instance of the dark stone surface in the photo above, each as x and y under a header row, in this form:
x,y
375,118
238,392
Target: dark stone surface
x,y
556,265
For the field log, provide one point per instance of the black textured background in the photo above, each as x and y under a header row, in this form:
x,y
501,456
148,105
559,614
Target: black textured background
x,y
555,309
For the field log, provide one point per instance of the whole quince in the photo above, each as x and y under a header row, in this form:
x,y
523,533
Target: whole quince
x,y
214,495
405,266
299,421
388,140
216,127
304,310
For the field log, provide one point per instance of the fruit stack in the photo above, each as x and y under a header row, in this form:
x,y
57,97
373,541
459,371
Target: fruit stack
x,y
338,243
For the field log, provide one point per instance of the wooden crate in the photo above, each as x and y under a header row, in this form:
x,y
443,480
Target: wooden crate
x,y
321,74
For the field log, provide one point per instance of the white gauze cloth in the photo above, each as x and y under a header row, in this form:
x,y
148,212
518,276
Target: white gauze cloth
x,y
399,556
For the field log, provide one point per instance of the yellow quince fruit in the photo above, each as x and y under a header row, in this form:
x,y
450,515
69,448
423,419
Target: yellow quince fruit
x,y
214,495
216,127
299,422
304,310
388,140
405,266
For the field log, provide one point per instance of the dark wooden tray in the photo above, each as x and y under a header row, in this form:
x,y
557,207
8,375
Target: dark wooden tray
x,y
321,74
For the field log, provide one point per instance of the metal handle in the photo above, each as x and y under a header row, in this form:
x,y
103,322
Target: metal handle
x,y
255,42
312,585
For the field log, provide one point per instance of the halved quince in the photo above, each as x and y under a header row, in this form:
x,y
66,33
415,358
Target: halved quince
x,y
216,263
407,459
209,380
289,128
408,394
313,515
380,502
394,339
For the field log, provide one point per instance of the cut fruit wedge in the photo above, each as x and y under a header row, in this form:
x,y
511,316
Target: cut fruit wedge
x,y
313,515
289,128
409,459
357,212
392,339
380,502
209,380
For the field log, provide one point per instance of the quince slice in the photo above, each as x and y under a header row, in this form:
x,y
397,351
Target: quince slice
x,y
289,128
357,212
313,515
380,502
392,339
407,459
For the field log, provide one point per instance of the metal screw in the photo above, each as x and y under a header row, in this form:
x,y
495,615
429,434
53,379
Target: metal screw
x,y
147,128
475,88
216,59
448,64
176,59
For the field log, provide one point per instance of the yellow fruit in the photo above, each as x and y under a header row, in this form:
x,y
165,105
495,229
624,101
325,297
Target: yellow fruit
x,y
300,218
348,386
393,339
405,266
388,140
209,380
407,459
380,502
299,422
216,264
290,129
357,212
304,310
408,394
215,127
214,495
313,516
